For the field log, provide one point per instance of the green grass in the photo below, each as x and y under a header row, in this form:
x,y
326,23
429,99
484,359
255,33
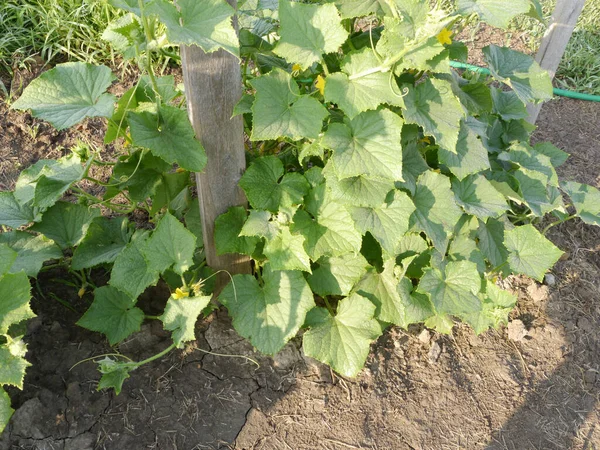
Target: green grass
x,y
55,30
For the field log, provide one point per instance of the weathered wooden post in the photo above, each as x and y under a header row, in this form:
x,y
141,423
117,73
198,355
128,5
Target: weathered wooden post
x,y
213,87
555,41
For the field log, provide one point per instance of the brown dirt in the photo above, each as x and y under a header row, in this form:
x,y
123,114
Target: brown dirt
x,y
533,385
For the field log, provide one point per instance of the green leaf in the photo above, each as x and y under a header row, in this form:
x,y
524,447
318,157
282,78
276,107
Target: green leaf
x,y
113,374
268,315
12,213
66,223
140,178
205,23
586,200
12,368
286,251
521,72
413,164
280,111
342,341
356,8
388,222
527,158
470,157
556,155
259,224
490,239
228,227
171,245
441,323
495,12
5,410
337,275
436,210
32,251
330,233
497,304
112,313
417,307
433,106
171,187
382,290
464,248
132,272
180,317
47,180
104,240
354,92
193,222
478,197
169,135
307,31
530,253
68,94
508,105
267,188
369,145
453,289
126,35
15,292
7,258
128,5
360,190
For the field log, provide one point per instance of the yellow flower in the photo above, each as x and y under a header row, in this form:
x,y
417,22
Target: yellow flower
x,y
197,287
320,84
445,36
180,293
426,140
296,68
81,292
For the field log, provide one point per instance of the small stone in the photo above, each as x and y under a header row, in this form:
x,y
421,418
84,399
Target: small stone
x,y
550,279
516,330
434,352
590,377
424,336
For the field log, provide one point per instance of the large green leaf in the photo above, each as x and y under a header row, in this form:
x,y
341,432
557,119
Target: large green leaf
x,y
360,190
128,5
528,158
12,367
5,410
586,200
268,315
15,293
205,23
180,317
433,106
497,13
355,8
519,71
66,223
342,341
470,157
453,289
556,155
478,197
530,253
464,248
496,305
267,188
171,245
508,105
307,31
330,233
388,222
228,227
355,90
113,313
69,93
32,251
104,240
337,275
280,111
12,213
132,272
436,210
490,240
286,251
7,258
169,135
368,145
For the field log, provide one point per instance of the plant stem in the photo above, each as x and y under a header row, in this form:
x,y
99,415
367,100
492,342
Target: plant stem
x,y
329,308
148,59
558,222
154,357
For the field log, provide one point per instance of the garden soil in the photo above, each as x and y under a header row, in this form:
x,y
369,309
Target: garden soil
x,y
534,384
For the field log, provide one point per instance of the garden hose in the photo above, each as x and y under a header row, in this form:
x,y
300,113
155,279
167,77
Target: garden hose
x,y
557,91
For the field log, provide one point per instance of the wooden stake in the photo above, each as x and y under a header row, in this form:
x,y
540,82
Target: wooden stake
x,y
213,87
555,40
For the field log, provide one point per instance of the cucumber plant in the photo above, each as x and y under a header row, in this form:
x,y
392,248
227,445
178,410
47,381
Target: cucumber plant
x,y
386,188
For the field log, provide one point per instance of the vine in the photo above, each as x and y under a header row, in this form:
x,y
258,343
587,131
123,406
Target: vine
x,y
385,187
